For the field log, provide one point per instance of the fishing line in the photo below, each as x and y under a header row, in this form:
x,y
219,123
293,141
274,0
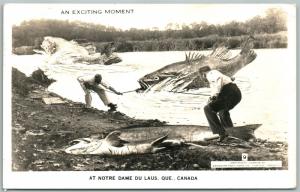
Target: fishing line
x,y
130,91
202,94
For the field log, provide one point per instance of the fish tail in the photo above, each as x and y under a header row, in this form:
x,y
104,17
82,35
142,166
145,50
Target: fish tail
x,y
247,45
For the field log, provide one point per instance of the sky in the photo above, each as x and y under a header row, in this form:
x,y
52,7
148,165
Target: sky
x,y
140,16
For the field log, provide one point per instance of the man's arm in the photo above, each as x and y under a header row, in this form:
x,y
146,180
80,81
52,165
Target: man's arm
x,y
115,91
216,87
110,88
81,82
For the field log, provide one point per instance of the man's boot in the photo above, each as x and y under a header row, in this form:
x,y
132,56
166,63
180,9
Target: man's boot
x,y
112,107
223,136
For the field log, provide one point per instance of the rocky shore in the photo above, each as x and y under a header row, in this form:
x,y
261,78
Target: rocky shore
x,y
41,131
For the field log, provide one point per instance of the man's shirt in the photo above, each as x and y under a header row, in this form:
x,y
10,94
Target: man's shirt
x,y
216,81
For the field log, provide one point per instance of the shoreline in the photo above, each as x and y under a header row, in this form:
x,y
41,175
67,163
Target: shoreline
x,y
40,132
269,114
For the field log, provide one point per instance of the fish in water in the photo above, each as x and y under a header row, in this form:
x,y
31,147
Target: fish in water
x,y
184,75
61,51
112,144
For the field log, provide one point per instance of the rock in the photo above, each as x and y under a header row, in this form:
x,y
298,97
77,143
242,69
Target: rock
x,y
53,100
41,78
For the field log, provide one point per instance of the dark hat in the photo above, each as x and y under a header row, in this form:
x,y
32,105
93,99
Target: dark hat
x,y
98,78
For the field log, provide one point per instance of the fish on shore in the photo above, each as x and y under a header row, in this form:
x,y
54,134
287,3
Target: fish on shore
x,y
112,144
187,133
184,75
117,142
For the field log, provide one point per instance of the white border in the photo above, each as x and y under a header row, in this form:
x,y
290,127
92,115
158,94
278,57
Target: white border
x,y
206,179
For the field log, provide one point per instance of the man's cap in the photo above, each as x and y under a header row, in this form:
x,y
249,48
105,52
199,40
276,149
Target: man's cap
x,y
98,78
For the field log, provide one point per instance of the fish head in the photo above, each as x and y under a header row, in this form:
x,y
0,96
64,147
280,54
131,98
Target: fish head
x,y
175,76
148,80
151,79
79,146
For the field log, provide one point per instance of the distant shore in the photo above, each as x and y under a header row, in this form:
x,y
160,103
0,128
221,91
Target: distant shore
x,y
261,41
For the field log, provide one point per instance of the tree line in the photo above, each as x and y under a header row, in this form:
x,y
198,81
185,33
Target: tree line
x,y
269,32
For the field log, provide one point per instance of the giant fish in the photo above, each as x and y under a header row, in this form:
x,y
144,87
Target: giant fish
x,y
138,140
61,51
113,145
184,75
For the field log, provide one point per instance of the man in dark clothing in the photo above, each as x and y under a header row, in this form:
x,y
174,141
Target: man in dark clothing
x,y
225,95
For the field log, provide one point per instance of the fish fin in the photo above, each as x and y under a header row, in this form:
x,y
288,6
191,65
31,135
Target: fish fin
x,y
188,58
114,139
221,52
159,140
192,57
155,150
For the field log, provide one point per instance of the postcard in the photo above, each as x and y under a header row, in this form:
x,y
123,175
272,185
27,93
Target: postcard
x,y
149,96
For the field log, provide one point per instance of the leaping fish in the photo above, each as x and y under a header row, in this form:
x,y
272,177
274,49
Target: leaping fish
x,y
112,144
61,51
184,75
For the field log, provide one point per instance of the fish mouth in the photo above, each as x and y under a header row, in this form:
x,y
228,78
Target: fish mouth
x,y
143,84
147,82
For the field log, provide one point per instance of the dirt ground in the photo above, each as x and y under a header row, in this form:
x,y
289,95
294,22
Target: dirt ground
x,y
40,133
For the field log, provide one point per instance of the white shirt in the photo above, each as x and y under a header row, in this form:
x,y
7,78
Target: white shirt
x,y
216,81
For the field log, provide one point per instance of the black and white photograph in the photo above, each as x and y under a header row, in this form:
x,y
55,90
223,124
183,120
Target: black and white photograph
x,y
131,96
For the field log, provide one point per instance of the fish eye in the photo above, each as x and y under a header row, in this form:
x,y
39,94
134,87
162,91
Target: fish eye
x,y
156,78
74,142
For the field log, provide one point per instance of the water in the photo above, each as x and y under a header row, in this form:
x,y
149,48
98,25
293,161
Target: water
x,y
264,90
